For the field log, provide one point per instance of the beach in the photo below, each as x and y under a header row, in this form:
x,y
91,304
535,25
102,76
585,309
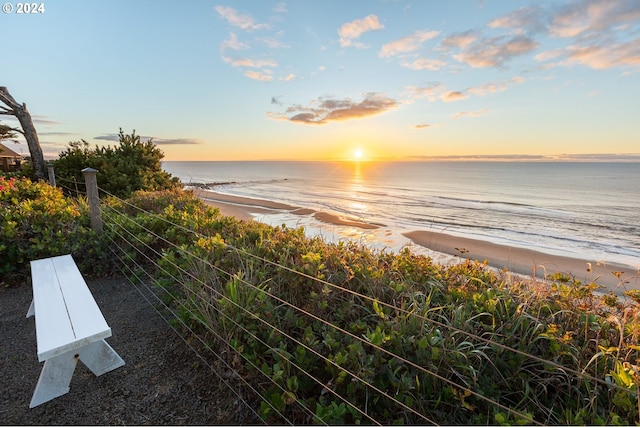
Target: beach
x,y
611,277
245,207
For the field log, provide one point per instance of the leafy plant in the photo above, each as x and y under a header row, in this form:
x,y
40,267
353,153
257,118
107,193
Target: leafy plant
x,y
122,169
338,333
37,221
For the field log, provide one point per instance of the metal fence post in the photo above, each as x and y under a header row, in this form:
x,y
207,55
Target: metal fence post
x,y
91,183
52,175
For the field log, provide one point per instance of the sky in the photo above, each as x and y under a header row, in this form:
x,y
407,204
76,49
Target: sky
x,y
331,79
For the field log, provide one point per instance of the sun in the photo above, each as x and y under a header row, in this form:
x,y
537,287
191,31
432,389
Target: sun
x,y
357,154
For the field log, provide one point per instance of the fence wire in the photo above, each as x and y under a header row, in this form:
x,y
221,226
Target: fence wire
x,y
72,187
124,241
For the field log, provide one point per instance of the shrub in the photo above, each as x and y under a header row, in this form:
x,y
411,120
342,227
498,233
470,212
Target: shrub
x,y
274,300
38,221
123,169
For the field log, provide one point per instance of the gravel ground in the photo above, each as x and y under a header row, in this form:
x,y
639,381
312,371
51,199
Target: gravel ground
x,y
162,383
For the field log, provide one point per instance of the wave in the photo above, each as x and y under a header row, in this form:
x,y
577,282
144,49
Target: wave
x,y
538,206
238,183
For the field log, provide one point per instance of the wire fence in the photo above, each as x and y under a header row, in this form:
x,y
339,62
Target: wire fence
x,y
181,294
72,186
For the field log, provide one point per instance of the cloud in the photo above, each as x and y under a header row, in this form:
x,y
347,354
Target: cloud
x,y
422,126
176,141
272,43
453,96
593,24
351,31
424,64
605,157
258,75
10,121
236,19
437,91
592,15
469,114
407,44
430,92
601,57
261,67
524,20
596,56
493,87
597,27
232,43
491,157
113,137
549,54
326,110
460,40
601,157
251,63
288,77
494,52
43,120
157,141
57,133
280,8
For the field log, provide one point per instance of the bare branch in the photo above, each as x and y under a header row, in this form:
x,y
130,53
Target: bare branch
x,y
28,130
7,99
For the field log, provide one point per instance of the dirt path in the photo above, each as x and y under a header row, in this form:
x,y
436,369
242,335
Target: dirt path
x,y
163,381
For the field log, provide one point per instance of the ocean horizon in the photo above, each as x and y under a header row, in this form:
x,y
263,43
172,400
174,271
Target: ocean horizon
x,y
586,210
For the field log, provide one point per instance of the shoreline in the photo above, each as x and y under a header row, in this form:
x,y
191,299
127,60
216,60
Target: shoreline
x,y
243,208
530,262
527,262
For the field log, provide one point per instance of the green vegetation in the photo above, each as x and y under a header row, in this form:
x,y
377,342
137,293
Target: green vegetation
x,y
127,167
6,132
437,339
37,221
304,321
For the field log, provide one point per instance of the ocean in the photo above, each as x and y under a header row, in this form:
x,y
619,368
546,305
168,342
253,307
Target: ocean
x,y
578,209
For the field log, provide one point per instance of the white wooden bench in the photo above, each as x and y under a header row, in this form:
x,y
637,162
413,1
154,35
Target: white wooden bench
x,y
69,326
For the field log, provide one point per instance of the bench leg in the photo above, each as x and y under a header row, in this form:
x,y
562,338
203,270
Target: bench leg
x,y
56,374
100,358
31,311
54,379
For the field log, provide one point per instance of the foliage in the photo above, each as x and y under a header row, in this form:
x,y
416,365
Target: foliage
x,y
6,132
37,221
311,323
123,169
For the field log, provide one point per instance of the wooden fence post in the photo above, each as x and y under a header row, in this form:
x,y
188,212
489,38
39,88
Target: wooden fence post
x,y
91,183
52,175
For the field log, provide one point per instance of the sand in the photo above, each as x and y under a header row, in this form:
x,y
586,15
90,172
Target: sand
x,y
614,277
610,276
338,220
243,208
239,207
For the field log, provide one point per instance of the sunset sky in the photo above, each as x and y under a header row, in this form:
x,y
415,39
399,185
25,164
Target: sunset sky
x,y
307,80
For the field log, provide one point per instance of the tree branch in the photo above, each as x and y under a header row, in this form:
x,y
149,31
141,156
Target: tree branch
x,y
7,99
26,122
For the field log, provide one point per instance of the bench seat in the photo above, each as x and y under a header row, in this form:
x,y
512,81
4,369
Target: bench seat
x,y
69,327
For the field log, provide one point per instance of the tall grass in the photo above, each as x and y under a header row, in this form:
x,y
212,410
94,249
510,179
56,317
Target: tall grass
x,y
352,334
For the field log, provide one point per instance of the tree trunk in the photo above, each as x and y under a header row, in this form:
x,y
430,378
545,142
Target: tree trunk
x,y
28,130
